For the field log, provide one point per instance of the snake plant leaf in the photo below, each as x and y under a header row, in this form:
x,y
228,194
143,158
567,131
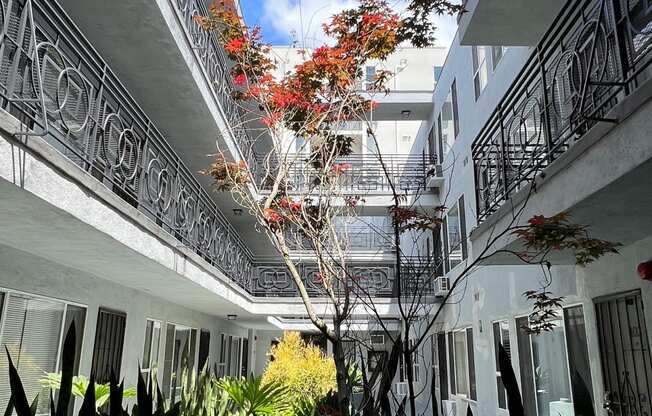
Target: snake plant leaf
x,y
10,406
33,408
143,397
67,369
514,403
115,396
88,405
17,391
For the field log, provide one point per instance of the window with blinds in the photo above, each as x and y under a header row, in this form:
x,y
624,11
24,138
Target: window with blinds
x,y
33,330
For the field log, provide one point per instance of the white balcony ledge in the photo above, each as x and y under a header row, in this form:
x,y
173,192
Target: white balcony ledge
x,y
507,23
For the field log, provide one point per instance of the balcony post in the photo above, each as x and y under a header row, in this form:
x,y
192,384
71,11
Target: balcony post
x,y
547,131
621,26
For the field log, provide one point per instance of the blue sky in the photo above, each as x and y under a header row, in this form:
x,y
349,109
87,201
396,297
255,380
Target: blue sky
x,y
286,21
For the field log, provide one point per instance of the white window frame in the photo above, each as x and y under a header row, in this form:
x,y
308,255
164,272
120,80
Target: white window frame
x,y
480,69
511,347
496,62
459,246
225,363
560,314
147,367
467,395
177,327
3,315
415,365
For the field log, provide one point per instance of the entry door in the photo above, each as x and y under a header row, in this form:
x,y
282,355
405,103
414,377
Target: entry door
x,y
625,353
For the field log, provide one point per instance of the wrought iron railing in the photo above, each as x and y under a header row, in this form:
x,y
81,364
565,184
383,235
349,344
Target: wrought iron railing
x,y
377,280
215,66
59,87
351,238
53,80
593,56
362,174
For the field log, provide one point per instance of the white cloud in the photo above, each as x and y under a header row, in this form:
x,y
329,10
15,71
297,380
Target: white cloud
x,y
302,20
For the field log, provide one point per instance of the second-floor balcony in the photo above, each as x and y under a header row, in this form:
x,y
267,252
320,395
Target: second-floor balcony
x,y
368,175
593,58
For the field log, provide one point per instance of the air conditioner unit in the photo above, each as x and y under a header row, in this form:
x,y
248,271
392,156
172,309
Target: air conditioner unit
x,y
449,407
442,286
402,389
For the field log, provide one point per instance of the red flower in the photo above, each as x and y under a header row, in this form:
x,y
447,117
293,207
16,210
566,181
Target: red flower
x,y
235,45
240,79
537,220
271,216
295,207
340,168
372,19
284,203
318,278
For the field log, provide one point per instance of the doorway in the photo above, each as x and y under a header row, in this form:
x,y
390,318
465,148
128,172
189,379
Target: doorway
x,y
625,354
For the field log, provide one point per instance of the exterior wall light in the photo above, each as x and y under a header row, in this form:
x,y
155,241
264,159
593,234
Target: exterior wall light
x,y
406,113
237,212
231,317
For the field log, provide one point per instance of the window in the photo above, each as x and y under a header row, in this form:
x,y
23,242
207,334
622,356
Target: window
x,y
442,366
546,371
497,53
109,342
233,353
432,149
374,359
369,77
204,349
299,143
462,363
415,365
448,120
151,348
454,231
437,70
180,348
32,330
501,337
480,72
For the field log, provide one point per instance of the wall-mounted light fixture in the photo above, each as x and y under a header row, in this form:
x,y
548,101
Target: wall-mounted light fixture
x,y
231,317
237,212
406,113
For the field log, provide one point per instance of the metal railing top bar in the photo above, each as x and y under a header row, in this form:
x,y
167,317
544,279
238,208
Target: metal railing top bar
x,y
366,173
591,57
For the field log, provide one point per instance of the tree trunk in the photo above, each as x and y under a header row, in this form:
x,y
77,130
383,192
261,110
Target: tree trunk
x,y
343,388
409,370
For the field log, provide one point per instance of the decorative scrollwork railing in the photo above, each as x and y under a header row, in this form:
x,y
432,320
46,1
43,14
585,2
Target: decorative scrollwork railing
x,y
377,280
53,80
592,57
364,174
215,65
351,238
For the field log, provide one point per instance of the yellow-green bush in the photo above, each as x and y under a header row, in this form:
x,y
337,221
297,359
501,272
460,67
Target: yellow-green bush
x,y
303,368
